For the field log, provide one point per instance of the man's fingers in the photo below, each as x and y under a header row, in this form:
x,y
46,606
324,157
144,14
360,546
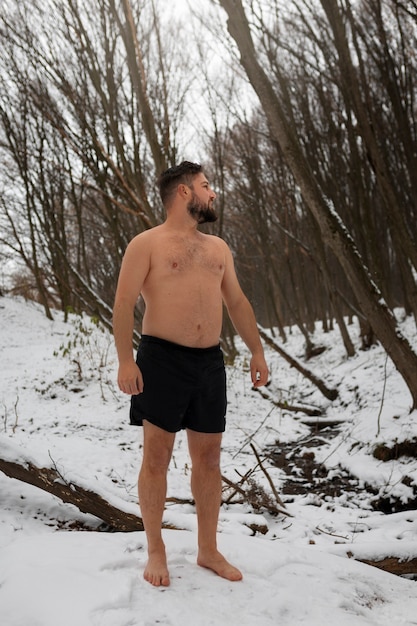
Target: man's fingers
x,y
260,381
259,376
130,387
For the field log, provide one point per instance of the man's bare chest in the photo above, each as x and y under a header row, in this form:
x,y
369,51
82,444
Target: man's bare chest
x,y
187,257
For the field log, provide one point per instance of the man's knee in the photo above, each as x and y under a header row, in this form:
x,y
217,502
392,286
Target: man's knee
x,y
207,460
156,460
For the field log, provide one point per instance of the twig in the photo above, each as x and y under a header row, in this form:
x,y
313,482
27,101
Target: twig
x,y
55,466
237,488
325,532
383,396
246,497
252,434
174,500
15,414
269,479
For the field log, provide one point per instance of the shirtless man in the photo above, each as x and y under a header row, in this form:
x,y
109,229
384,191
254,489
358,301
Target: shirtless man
x,y
178,379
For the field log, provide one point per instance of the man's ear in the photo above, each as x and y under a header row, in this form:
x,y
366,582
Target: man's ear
x,y
184,191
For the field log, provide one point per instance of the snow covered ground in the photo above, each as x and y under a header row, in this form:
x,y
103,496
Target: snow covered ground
x,y
60,406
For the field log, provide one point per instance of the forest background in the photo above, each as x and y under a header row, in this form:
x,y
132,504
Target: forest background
x,y
303,114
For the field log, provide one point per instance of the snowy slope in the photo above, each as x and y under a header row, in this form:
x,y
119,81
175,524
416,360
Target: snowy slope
x,y
60,406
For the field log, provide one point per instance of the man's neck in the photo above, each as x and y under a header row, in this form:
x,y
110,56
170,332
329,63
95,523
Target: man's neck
x,y
184,223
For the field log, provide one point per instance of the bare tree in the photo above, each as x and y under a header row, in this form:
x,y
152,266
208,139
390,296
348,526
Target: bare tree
x,y
278,109
89,112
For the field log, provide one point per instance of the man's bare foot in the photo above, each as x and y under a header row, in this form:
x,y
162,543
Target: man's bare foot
x,y
156,570
218,564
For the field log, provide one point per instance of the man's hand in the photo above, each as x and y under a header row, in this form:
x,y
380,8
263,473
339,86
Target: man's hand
x,y
130,379
259,371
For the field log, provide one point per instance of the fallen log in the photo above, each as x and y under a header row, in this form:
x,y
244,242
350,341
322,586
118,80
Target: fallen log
x,y
16,463
295,408
85,500
328,392
391,564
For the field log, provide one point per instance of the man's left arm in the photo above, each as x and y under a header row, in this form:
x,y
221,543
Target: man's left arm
x,y
243,319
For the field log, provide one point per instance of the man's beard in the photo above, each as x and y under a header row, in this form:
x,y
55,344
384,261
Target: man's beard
x,y
202,213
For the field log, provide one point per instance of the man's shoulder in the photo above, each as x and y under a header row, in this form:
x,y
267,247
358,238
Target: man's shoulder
x,y
215,240
146,235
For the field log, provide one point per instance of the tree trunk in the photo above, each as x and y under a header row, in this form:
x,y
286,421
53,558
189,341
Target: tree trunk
x,y
85,500
394,565
391,564
334,232
138,78
51,480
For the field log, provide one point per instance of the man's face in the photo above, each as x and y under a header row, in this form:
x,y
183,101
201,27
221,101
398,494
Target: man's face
x,y
200,206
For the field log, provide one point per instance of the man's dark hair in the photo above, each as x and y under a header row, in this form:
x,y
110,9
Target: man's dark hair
x,y
169,180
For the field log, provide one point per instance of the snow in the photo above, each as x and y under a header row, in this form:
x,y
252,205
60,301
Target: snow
x,y
60,408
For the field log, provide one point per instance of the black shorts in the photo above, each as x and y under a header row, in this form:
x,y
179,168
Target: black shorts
x,y
183,387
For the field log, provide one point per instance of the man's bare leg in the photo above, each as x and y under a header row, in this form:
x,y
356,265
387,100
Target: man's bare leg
x,y
152,486
206,486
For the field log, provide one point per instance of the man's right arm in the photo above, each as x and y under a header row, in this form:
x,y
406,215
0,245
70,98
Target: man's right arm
x,y
133,272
